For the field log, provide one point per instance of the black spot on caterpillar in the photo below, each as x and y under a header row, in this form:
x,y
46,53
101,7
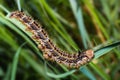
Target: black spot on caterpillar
x,y
50,51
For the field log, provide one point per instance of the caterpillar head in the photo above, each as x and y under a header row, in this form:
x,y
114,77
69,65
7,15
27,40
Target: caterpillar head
x,y
89,53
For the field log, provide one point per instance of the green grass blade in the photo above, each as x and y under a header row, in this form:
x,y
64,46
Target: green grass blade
x,y
3,8
106,49
18,4
78,15
83,69
60,75
87,72
100,72
8,72
15,62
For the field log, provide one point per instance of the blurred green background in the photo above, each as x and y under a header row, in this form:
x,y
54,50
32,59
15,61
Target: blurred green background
x,y
72,25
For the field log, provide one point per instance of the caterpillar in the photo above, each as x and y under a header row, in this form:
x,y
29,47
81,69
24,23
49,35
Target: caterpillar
x,y
50,51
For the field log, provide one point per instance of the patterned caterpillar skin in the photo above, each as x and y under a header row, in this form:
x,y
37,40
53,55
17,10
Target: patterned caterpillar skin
x,y
50,51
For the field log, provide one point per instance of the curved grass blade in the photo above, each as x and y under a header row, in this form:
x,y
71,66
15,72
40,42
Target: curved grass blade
x,y
15,61
83,69
60,75
106,49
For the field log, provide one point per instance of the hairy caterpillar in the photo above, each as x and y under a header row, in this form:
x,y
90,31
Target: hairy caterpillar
x,y
50,51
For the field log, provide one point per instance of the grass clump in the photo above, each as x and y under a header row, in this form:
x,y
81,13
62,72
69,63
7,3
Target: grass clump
x,y
73,25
